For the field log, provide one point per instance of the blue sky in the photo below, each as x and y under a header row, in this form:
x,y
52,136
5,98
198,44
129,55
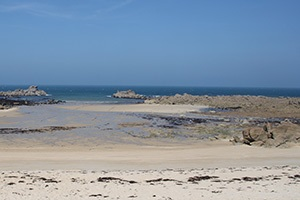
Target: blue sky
x,y
151,42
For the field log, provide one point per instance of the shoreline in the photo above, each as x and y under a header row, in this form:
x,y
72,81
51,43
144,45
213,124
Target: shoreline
x,y
141,151
233,105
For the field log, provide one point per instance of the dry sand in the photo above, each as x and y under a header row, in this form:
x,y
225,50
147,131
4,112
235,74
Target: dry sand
x,y
213,170
210,170
274,183
199,170
118,157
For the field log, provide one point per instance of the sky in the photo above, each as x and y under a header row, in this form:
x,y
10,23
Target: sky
x,y
232,43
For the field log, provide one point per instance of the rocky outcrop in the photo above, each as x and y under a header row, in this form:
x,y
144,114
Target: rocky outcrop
x,y
29,97
129,94
31,91
258,135
252,106
6,103
282,135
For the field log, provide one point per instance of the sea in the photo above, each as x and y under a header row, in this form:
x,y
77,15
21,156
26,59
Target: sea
x,y
103,94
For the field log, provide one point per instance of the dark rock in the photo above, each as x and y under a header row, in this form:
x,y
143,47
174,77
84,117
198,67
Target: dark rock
x,y
246,178
46,180
201,178
107,179
160,180
295,176
7,102
10,177
95,195
37,130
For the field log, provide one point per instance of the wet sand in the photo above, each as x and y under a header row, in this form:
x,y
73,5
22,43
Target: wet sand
x,y
144,108
12,112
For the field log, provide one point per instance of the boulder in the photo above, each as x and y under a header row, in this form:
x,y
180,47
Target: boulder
x,y
283,135
257,134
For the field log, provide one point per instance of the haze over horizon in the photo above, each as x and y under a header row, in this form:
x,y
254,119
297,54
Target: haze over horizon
x,y
154,43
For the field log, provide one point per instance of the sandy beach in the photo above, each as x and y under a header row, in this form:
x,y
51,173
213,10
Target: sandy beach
x,y
143,108
107,152
149,100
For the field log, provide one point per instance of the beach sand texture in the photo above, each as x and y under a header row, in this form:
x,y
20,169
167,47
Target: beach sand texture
x,y
209,183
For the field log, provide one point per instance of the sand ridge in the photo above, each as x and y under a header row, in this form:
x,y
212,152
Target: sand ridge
x,y
145,108
206,154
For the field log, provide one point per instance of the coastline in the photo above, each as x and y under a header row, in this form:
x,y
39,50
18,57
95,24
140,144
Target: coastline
x,y
139,142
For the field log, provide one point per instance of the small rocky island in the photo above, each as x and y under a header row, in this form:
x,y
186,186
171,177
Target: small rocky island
x,y
128,94
28,97
31,91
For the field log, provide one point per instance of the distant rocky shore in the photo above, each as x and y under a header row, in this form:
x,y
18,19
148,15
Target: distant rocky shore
x,y
20,97
31,91
242,105
260,106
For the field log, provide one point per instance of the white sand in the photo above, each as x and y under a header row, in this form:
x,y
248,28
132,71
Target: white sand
x,y
276,183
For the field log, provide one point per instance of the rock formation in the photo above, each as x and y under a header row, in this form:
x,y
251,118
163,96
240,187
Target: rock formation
x,y
242,105
31,91
259,135
283,135
29,97
129,94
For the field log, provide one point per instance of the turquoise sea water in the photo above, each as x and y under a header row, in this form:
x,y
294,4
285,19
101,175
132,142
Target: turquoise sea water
x,y
102,94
